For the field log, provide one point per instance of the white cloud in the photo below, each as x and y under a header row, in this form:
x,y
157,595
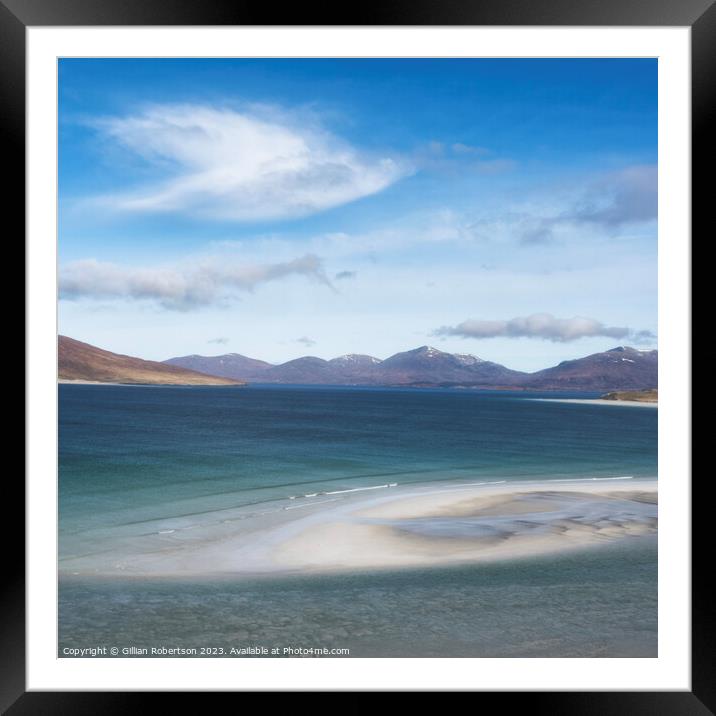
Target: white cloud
x,y
624,197
177,288
249,165
460,148
540,325
620,199
459,157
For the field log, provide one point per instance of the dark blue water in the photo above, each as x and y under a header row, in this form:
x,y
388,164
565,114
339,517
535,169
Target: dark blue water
x,y
132,458
134,447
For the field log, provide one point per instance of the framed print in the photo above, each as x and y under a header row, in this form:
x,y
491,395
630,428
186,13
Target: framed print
x,y
358,353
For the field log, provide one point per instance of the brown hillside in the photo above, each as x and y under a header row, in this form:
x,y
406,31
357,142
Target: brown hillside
x,y
83,362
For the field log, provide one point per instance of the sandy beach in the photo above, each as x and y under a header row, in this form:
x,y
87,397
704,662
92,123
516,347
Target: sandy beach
x,y
390,528
72,381
601,401
471,524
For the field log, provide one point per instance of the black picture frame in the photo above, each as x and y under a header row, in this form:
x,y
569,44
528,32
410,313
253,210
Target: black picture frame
x,y
699,15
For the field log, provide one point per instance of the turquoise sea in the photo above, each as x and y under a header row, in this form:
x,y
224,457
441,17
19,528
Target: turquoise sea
x,y
137,461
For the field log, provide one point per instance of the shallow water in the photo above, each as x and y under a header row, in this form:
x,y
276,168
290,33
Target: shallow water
x,y
176,462
597,603
563,508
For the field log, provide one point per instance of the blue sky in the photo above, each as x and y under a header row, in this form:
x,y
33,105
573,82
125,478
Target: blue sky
x,y
277,208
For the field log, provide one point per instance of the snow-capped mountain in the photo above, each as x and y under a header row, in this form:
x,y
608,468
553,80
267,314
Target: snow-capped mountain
x,y
620,368
617,369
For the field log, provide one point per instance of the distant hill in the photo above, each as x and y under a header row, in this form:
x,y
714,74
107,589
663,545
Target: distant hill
x,y
616,370
620,368
79,361
230,365
421,366
426,365
639,396
308,369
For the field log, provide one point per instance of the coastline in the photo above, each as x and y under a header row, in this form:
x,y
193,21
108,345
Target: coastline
x,y
600,401
72,381
378,529
582,401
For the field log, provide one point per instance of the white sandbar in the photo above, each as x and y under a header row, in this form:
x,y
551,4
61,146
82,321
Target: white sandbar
x,y
600,401
412,526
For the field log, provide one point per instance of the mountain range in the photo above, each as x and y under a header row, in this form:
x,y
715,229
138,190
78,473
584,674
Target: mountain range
x,y
621,368
82,362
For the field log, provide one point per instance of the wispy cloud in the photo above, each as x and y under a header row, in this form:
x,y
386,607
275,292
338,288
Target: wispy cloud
x,y
458,157
544,326
460,148
643,337
256,164
305,341
626,197
222,341
179,289
343,275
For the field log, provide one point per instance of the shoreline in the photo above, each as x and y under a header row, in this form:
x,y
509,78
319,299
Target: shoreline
x,y
434,525
71,381
521,391
600,401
